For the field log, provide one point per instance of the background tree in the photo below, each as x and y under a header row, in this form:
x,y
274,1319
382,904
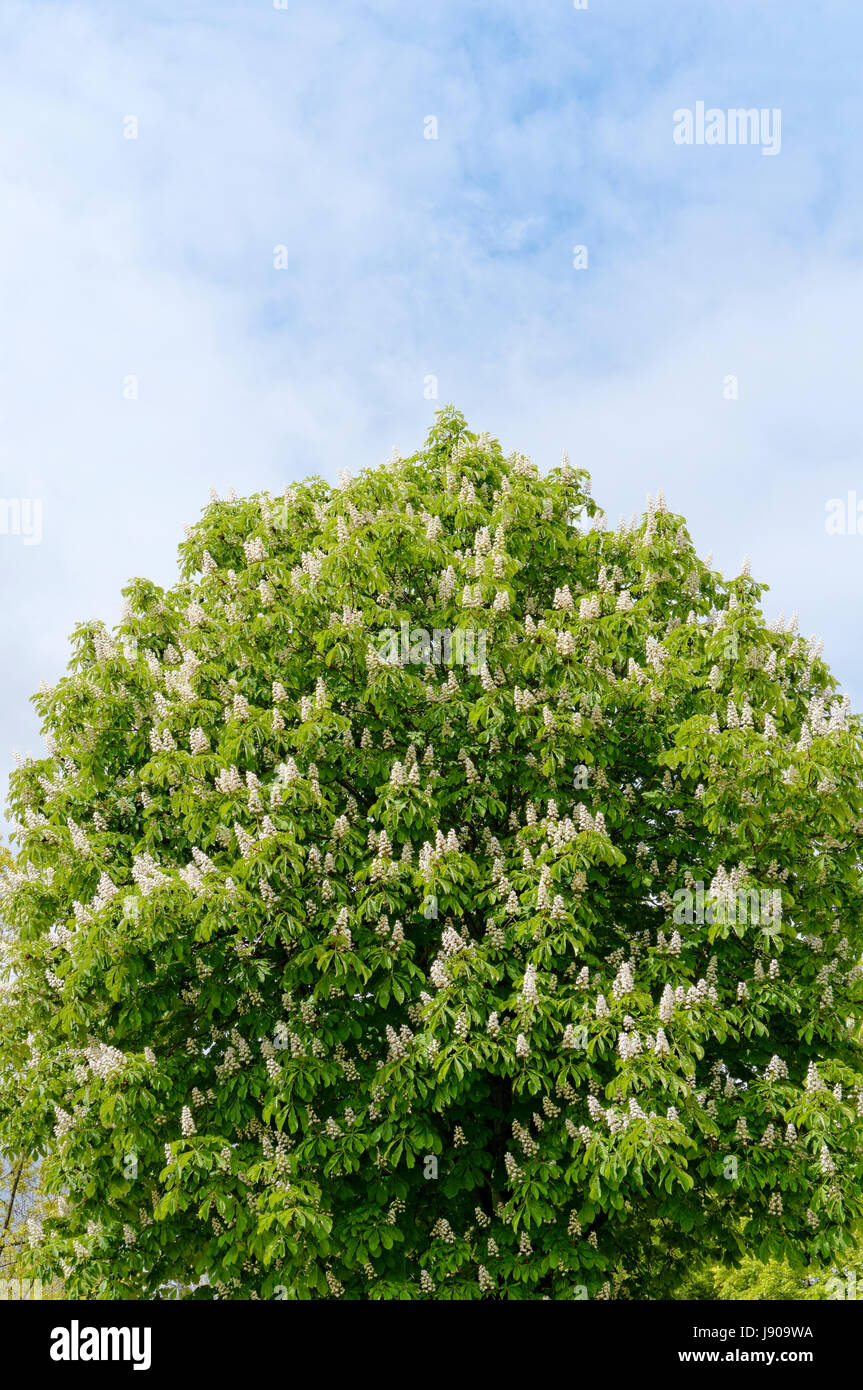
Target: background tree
x,y
24,1206
342,975
23,1203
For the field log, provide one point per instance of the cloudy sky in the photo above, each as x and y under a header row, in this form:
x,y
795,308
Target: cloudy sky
x,y
146,266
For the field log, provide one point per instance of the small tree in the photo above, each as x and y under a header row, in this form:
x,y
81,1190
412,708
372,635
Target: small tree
x,y
437,893
23,1209
23,1204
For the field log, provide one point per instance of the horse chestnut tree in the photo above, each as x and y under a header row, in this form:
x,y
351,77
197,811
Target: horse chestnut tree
x,y
436,893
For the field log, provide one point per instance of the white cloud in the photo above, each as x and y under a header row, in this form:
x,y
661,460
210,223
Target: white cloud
x,y
153,258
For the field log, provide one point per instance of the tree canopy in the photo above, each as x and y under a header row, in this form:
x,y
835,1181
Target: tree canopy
x,y
436,892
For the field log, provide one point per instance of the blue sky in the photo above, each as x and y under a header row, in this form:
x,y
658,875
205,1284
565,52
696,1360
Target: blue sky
x,y
407,257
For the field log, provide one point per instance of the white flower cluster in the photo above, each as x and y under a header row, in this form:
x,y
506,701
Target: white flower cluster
x,y
629,1045
79,839
147,874
655,654
813,1080
624,982
64,1122
776,1070
105,1061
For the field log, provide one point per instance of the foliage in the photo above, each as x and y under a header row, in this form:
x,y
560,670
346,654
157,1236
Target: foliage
x,y
768,1282
338,975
